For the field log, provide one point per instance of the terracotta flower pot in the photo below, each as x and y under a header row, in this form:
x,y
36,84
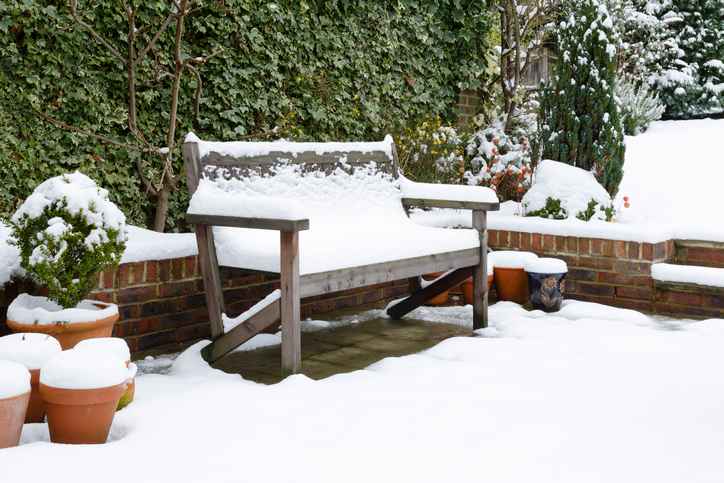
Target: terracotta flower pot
x,y
69,334
12,417
81,416
36,406
440,299
467,287
119,348
511,284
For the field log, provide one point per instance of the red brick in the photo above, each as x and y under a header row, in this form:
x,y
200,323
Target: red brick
x,y
623,279
647,251
623,266
549,243
561,244
177,269
125,275
105,296
127,312
152,271
571,244
177,289
512,239
596,262
639,293
582,274
525,241
640,305
680,298
607,248
596,246
493,238
190,267
537,242
660,251
595,289
137,294
633,250
164,270
619,249
584,246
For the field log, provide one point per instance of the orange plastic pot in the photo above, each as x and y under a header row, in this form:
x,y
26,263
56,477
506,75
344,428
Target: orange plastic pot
x,y
440,299
511,284
12,417
69,334
81,416
467,287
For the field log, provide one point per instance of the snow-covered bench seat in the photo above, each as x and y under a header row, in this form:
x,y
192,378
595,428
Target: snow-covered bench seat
x,y
326,217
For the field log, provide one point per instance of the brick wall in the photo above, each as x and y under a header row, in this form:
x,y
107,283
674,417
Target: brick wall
x,y
618,273
468,105
162,304
708,254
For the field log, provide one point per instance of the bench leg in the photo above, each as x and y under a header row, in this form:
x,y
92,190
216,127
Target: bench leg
x,y
480,273
290,304
212,278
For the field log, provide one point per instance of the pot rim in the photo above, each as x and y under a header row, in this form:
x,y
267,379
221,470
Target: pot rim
x,y
81,397
61,327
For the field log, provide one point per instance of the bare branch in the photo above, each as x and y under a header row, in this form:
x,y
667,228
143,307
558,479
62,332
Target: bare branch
x,y
155,38
74,13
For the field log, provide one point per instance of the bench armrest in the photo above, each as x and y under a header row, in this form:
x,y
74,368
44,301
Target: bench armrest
x,y
279,224
428,195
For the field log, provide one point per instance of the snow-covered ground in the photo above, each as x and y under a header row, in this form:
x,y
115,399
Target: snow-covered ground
x,y
591,394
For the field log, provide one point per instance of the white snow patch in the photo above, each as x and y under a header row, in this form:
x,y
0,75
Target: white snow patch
x,y
512,259
546,265
480,194
30,309
146,244
707,276
14,379
85,369
30,349
111,346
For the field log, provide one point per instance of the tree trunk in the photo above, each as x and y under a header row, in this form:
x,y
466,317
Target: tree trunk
x,y
159,222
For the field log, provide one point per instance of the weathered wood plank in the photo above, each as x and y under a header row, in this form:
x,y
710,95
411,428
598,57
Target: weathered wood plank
x,y
229,341
212,278
436,203
347,278
193,165
242,222
407,305
290,303
306,157
480,273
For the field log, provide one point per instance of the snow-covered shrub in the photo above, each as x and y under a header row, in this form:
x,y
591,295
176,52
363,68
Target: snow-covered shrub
x,y
431,152
499,161
639,106
559,189
67,231
580,123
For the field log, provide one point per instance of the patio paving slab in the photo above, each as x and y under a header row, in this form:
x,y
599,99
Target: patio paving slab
x,y
343,349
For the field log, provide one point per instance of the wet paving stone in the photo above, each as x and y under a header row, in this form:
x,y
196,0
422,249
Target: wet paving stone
x,y
343,349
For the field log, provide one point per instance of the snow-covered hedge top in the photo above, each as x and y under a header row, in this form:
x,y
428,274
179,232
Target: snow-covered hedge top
x,y
85,369
574,187
512,259
30,349
82,197
30,309
481,194
112,346
67,231
249,149
14,379
546,265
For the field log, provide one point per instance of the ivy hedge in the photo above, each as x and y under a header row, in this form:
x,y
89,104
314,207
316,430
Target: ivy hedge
x,y
314,69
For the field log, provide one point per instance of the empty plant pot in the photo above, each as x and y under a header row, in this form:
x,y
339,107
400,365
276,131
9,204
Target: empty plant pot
x,y
440,299
81,391
546,283
14,398
90,318
31,350
118,348
511,281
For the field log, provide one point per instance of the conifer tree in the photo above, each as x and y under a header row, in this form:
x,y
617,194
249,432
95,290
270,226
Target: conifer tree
x,y
580,123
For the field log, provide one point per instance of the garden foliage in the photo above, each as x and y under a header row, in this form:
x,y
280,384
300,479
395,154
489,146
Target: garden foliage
x,y
311,69
580,122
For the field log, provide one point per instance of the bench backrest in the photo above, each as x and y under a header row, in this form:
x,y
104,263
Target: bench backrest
x,y
335,183
238,160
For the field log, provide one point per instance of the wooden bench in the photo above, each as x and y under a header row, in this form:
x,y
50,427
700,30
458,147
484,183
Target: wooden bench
x,y
360,233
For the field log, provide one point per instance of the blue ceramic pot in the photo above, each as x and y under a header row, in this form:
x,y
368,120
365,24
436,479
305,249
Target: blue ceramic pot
x,y
546,290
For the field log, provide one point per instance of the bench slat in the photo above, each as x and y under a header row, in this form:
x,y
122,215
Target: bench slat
x,y
463,205
354,277
240,222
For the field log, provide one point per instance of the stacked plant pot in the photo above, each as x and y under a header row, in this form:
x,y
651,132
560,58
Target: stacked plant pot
x,y
89,318
81,390
113,347
14,398
511,281
32,350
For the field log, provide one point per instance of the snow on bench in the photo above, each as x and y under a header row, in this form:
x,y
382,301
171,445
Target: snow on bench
x,y
327,217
